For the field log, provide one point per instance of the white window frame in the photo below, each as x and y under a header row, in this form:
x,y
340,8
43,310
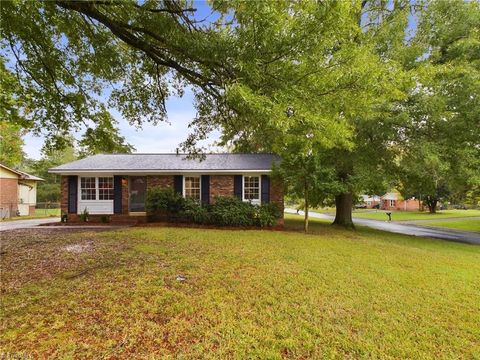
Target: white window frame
x,y
253,201
94,207
80,188
392,203
200,186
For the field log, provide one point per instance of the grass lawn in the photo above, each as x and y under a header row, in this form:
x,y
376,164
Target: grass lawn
x,y
39,213
47,212
247,294
467,225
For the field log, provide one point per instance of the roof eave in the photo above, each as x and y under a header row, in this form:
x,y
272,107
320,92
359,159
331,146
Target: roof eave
x,y
154,172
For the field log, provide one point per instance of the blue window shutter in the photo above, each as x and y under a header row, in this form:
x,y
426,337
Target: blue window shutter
x,y
178,184
265,189
72,194
205,196
117,194
237,186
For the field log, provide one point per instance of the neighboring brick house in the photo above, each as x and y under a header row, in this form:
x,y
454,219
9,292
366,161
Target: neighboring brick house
x,y
389,201
115,185
394,201
18,192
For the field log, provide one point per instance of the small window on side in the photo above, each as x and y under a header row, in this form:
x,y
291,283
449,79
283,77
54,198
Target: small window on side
x,y
192,187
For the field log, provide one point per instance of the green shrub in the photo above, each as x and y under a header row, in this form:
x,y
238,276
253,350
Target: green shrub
x,y
84,215
267,214
231,211
165,201
194,211
166,204
104,219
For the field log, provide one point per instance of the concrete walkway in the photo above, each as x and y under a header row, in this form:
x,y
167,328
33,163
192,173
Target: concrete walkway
x,y
407,229
24,224
35,223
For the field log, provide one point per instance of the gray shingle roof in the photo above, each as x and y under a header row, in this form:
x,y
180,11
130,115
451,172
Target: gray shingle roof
x,y
170,162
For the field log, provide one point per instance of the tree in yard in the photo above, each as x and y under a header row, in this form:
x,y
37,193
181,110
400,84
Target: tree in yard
x,y
11,143
49,190
306,178
105,138
425,176
441,152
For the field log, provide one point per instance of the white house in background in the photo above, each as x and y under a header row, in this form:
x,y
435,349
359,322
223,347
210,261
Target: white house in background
x,y
370,201
18,192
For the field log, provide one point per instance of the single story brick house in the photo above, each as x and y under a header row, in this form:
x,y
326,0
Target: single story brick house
x,y
116,184
18,192
395,201
390,201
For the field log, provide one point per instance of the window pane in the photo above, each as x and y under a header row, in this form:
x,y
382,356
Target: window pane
x,y
105,188
87,188
251,188
192,187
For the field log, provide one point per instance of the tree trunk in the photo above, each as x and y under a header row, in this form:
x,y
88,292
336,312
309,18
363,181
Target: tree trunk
x,y
305,222
432,205
343,213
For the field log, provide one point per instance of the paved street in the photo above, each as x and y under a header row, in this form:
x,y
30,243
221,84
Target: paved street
x,y
407,229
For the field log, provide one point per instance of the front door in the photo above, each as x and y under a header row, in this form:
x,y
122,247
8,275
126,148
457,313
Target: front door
x,y
138,189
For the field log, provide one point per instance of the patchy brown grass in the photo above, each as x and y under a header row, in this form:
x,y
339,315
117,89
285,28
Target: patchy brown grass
x,y
247,294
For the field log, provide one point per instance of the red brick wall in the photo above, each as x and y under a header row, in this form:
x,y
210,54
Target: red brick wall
x,y
64,194
220,185
408,205
401,205
162,181
9,194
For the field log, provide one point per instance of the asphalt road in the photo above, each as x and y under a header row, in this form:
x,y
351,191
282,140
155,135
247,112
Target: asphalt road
x,y
407,229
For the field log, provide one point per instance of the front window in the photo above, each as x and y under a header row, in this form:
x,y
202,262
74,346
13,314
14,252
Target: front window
x,y
251,188
192,187
392,203
93,188
105,188
88,188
